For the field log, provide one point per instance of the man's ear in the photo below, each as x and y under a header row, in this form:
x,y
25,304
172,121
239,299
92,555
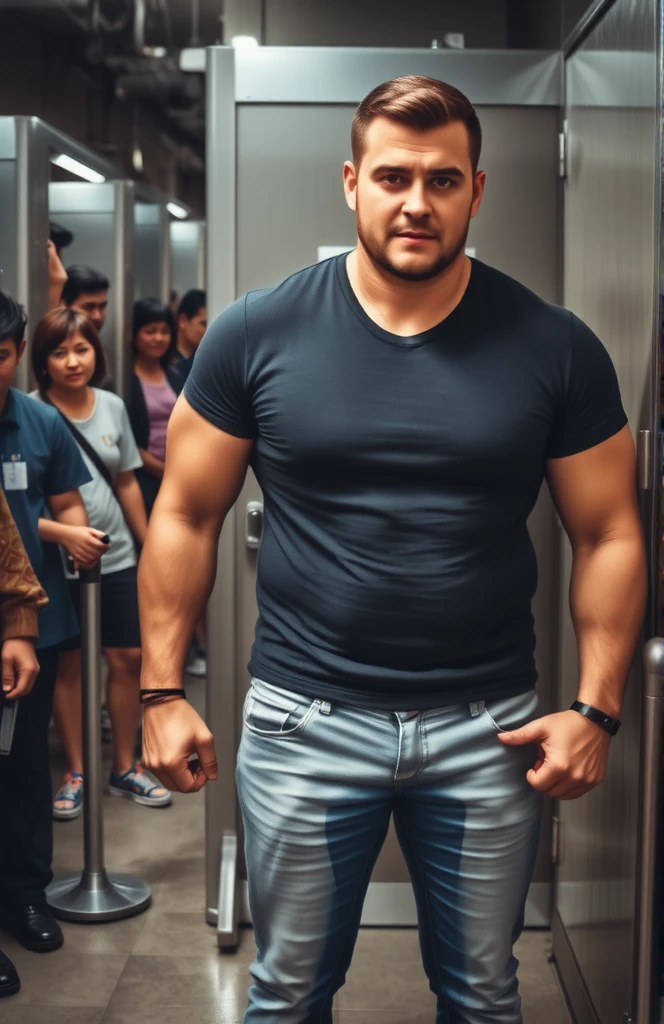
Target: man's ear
x,y
350,184
21,350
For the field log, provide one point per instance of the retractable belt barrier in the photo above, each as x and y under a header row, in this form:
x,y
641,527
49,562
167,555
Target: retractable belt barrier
x,y
95,895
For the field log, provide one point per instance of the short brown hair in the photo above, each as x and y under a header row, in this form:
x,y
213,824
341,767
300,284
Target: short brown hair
x,y
51,331
420,103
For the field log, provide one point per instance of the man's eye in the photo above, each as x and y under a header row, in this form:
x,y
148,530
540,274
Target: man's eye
x,y
443,182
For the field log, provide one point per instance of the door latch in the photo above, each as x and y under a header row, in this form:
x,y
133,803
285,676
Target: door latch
x,y
253,525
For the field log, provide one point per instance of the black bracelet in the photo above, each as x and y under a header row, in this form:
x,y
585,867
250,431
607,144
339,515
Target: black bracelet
x,y
600,718
155,696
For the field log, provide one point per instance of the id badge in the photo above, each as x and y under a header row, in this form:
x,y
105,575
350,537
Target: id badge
x,y
15,476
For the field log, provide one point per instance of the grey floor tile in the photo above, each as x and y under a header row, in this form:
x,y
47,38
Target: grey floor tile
x,y
170,1015
151,982
49,980
387,973
14,1012
180,933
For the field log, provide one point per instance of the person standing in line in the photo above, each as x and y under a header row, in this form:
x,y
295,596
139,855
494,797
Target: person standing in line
x,y
41,469
86,290
21,597
191,323
155,387
401,406
69,364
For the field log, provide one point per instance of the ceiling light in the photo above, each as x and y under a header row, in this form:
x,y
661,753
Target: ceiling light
x,y
76,167
244,42
177,210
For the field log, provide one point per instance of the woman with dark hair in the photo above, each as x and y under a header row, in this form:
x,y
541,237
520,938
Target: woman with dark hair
x,y
68,362
155,387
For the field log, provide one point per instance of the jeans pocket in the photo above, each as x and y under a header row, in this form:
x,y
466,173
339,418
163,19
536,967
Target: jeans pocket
x,y
512,713
269,711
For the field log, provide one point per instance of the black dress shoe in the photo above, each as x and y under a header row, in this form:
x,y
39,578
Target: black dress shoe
x,y
10,982
34,927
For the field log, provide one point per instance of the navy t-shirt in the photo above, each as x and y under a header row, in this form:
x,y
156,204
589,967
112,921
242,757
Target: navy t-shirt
x,y
396,568
39,460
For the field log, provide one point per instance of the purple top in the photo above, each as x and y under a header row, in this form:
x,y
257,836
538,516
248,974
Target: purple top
x,y
159,399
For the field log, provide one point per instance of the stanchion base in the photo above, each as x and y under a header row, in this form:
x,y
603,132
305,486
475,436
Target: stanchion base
x,y
120,896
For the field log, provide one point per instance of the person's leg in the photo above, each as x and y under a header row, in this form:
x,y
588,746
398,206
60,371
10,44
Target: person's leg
x,y
67,703
468,824
315,784
122,686
26,836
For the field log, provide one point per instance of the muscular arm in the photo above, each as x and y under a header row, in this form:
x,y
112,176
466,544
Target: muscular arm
x,y
132,503
152,463
595,494
204,474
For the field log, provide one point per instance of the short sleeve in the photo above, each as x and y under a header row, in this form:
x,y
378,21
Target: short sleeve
x,y
591,410
66,469
129,457
217,385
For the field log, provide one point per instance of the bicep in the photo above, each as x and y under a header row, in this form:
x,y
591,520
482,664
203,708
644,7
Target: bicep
x,y
205,468
595,491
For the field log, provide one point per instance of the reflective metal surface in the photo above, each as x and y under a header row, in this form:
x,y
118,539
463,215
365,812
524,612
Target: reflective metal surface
x,y
152,273
187,255
94,895
611,228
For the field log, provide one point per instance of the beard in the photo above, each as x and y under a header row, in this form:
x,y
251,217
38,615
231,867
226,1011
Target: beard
x,y
377,253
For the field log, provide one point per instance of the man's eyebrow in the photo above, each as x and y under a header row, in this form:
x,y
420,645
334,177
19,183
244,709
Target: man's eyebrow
x,y
436,172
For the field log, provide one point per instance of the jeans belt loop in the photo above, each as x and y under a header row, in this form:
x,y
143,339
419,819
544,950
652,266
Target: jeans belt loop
x,y
476,708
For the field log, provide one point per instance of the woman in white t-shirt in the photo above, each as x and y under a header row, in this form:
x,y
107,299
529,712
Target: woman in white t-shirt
x,y
68,360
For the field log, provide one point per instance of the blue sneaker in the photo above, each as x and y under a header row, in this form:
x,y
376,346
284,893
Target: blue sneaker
x,y
139,786
68,801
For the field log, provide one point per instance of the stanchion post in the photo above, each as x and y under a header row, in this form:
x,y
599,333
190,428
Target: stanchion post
x,y
94,896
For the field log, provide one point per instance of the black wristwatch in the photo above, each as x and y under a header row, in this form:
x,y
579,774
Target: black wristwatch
x,y
610,725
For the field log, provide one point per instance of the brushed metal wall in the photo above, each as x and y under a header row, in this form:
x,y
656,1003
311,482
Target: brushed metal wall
x,y
610,224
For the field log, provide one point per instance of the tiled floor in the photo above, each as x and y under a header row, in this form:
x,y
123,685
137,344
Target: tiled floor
x,y
164,967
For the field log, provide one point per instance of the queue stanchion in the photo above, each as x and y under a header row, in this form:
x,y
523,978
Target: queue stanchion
x,y
95,895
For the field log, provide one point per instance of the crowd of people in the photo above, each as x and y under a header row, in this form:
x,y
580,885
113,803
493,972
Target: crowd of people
x,y
80,474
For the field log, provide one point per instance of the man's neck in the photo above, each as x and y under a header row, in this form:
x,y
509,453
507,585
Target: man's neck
x,y
403,307
185,347
3,400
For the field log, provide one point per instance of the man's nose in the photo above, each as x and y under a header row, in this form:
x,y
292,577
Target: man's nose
x,y
416,203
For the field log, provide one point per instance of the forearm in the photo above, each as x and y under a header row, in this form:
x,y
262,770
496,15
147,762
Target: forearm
x,y
607,601
152,463
175,578
133,507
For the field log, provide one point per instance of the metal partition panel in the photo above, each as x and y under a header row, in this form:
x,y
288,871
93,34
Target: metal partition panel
x,y
187,255
278,229
27,146
611,225
100,218
152,247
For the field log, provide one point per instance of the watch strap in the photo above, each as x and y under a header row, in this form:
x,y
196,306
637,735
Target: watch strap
x,y
610,725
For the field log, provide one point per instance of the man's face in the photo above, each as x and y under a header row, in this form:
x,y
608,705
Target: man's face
x,y
414,195
193,328
10,357
94,306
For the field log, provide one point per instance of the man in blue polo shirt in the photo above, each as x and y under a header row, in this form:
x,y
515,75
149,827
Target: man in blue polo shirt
x,y
40,467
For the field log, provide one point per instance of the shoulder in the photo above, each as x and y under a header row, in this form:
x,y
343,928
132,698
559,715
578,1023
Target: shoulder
x,y
107,401
306,286
31,408
506,291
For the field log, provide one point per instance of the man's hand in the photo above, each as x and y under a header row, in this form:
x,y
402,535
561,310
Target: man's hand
x,y
172,732
57,276
20,668
573,753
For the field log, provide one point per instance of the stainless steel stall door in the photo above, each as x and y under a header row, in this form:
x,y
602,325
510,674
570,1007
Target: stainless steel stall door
x,y
289,202
610,222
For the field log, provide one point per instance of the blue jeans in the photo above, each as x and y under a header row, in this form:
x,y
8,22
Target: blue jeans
x,y
318,783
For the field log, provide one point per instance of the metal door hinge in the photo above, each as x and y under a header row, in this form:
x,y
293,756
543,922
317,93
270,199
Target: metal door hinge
x,y
563,147
555,841
644,456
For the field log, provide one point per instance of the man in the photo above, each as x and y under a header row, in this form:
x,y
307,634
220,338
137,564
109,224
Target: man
x,y
21,597
401,406
41,465
87,291
191,325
